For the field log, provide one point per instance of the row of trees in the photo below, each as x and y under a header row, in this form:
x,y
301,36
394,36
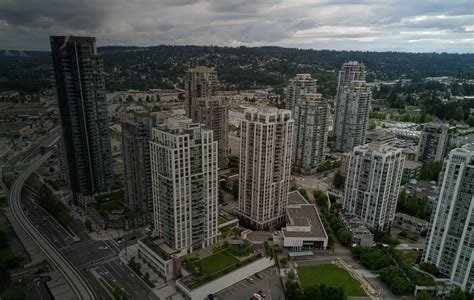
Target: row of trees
x,y
47,200
375,259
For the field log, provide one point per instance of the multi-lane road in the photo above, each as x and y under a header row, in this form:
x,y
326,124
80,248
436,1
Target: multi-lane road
x,y
72,276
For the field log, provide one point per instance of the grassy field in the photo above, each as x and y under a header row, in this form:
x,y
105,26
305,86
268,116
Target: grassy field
x,y
329,275
215,262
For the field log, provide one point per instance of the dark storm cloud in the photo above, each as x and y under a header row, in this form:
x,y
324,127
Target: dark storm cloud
x,y
70,13
367,25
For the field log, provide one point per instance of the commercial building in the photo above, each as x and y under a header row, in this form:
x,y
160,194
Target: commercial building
x,y
380,136
136,135
434,142
199,82
360,233
304,230
450,239
159,257
80,85
266,141
184,179
298,87
352,107
311,132
373,183
213,112
411,170
410,223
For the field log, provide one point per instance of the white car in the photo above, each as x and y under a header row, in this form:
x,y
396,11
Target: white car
x,y
103,248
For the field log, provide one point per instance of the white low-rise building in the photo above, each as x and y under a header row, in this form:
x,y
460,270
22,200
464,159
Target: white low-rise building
x,y
304,230
159,257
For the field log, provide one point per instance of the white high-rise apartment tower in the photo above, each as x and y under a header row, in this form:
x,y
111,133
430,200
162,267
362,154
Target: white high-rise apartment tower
x,y
352,107
373,183
184,179
311,132
299,86
450,244
265,161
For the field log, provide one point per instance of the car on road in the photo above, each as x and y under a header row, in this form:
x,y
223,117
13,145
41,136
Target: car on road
x,y
103,248
250,279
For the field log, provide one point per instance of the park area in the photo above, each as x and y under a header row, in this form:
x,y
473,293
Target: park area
x,y
330,275
216,262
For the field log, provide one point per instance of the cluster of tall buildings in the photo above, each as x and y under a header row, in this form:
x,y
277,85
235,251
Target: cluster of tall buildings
x,y
171,164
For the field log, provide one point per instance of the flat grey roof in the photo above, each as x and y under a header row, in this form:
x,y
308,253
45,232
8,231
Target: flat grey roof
x,y
295,198
304,215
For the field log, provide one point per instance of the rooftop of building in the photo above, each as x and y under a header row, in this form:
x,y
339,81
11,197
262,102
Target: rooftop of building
x,y
159,247
414,219
377,147
465,150
301,213
355,224
379,135
267,114
201,69
412,165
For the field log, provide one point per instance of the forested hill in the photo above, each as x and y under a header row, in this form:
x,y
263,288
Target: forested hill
x,y
242,67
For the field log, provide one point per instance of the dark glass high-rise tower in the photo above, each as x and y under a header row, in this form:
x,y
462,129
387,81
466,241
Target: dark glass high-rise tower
x,y
79,73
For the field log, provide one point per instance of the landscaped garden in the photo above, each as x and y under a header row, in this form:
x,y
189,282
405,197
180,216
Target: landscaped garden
x,y
331,276
216,262
225,259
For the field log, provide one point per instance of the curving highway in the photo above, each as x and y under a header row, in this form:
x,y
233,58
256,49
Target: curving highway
x,y
72,276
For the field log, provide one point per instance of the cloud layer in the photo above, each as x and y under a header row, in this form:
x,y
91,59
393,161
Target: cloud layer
x,y
396,25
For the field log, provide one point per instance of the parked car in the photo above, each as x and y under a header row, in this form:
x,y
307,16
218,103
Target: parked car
x,y
259,276
250,279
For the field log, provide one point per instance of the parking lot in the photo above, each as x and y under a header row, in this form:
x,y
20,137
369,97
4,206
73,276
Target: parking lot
x,y
270,286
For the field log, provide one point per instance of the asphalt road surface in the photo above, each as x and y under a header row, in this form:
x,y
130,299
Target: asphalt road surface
x,y
270,285
80,287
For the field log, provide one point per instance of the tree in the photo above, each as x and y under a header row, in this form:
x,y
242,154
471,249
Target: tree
x,y
284,261
220,195
422,295
320,198
293,290
372,125
430,268
344,237
88,224
427,118
457,294
394,279
339,180
235,189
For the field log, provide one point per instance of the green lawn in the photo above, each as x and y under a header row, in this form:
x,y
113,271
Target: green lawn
x,y
329,275
221,220
215,262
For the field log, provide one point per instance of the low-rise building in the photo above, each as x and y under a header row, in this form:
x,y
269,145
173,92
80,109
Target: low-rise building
x,y
381,136
360,233
304,229
411,169
159,257
410,223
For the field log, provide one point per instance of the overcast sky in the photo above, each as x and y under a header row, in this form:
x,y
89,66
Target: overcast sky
x,y
395,25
